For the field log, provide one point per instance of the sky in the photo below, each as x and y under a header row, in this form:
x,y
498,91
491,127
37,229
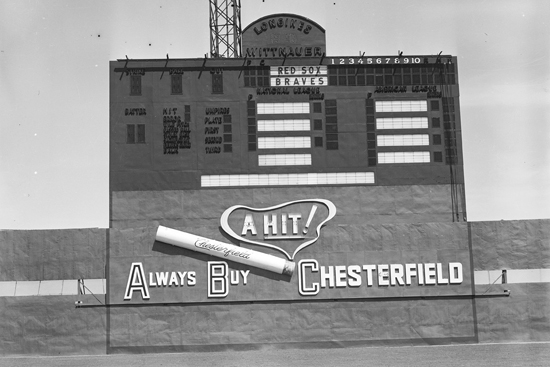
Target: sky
x,y
54,90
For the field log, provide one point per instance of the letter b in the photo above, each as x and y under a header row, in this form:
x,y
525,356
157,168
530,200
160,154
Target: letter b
x,y
217,279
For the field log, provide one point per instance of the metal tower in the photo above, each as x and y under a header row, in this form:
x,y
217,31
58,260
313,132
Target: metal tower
x,y
225,28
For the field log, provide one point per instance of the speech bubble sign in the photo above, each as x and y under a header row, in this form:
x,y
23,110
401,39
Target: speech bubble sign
x,y
290,223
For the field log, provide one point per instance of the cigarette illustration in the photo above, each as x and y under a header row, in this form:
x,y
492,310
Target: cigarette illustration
x,y
225,251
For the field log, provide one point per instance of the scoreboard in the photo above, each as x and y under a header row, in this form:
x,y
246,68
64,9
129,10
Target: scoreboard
x,y
287,175
284,114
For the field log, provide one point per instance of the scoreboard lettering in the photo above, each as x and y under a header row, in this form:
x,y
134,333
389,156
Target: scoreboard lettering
x,y
298,70
385,60
299,81
296,76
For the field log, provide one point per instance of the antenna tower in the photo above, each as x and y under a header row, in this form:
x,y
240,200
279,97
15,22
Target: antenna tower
x,y
225,28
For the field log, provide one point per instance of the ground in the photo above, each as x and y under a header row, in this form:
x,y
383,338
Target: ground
x,y
513,354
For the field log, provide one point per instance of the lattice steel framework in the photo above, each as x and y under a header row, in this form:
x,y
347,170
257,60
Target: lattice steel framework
x,y
225,28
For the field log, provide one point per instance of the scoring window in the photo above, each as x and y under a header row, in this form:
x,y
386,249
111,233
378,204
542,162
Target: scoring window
x,y
402,140
401,106
284,142
282,108
284,160
284,125
401,123
403,157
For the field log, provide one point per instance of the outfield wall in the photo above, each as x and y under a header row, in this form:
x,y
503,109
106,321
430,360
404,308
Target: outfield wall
x,y
51,325
505,245
270,310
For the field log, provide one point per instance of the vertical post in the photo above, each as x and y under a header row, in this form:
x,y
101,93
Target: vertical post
x,y
81,289
237,28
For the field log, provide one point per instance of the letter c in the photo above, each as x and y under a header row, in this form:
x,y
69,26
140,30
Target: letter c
x,y
302,286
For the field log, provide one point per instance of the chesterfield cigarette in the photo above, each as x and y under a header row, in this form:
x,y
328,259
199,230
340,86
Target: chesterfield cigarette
x,y
225,251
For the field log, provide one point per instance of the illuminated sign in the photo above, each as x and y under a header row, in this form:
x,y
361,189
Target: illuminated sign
x,y
296,76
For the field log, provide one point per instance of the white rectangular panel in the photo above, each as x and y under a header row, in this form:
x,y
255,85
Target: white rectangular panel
x,y
401,123
284,160
314,70
282,108
401,106
302,81
284,125
284,142
336,178
402,140
403,157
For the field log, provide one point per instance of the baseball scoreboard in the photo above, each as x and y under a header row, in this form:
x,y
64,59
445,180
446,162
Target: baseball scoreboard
x,y
285,113
286,175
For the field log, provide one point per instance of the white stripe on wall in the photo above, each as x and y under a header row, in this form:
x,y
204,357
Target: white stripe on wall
x,y
65,287
513,276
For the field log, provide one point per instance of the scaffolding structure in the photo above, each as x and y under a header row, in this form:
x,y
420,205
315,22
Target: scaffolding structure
x,y
225,28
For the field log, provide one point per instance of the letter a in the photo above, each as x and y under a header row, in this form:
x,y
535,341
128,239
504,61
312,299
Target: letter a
x,y
136,282
249,225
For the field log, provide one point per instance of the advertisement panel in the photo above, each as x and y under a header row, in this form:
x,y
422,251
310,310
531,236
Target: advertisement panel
x,y
288,252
